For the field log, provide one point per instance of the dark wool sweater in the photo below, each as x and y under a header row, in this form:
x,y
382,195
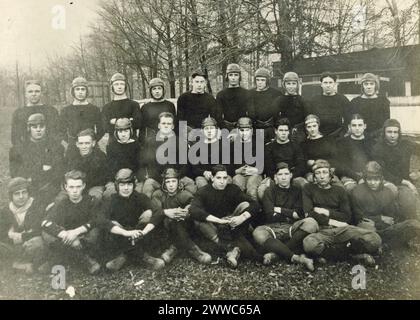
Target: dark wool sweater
x,y
374,111
395,160
370,204
31,226
261,107
66,215
75,118
150,114
27,161
179,200
244,151
151,161
292,108
126,211
233,103
93,165
194,107
289,200
353,155
322,148
331,110
220,203
290,153
334,199
123,155
208,162
125,108
20,117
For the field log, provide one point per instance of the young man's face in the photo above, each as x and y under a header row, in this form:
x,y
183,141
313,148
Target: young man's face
x,y
374,183
291,87
261,83
283,178
125,189
166,125
322,176
171,185
118,87
369,87
220,180
328,86
357,128
392,134
33,93
157,92
199,84
85,144
80,93
312,128
245,134
210,132
233,79
37,131
74,189
20,197
124,135
282,133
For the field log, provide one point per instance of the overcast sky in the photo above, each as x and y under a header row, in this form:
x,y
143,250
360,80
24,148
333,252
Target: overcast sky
x,y
27,31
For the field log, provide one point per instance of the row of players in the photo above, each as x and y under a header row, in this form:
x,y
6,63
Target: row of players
x,y
320,221
250,163
264,105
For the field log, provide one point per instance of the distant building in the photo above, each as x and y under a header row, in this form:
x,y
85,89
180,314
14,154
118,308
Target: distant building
x,y
398,68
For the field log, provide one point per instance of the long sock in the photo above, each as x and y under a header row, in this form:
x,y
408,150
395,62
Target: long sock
x,y
247,249
295,242
278,247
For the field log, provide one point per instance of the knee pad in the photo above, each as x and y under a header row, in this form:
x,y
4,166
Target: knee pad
x,y
312,245
260,235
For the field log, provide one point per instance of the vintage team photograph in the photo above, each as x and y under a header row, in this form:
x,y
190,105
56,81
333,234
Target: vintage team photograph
x,y
210,150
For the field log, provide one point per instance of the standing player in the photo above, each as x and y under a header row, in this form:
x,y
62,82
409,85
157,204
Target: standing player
x,y
150,111
33,94
261,108
372,106
331,107
233,100
195,105
80,115
120,106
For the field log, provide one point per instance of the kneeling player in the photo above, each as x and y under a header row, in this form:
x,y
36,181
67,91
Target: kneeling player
x,y
284,221
175,202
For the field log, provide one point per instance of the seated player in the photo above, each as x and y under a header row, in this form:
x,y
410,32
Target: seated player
x,y
247,176
376,208
122,152
284,226
89,159
394,153
175,202
20,227
39,158
212,148
159,152
329,206
223,214
70,227
281,149
129,219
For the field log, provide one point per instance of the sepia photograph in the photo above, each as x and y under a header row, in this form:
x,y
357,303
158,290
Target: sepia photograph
x,y
224,151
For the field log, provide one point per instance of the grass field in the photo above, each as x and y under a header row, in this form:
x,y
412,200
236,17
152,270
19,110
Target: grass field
x,y
396,275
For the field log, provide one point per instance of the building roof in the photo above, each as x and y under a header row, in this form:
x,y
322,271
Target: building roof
x,y
370,60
